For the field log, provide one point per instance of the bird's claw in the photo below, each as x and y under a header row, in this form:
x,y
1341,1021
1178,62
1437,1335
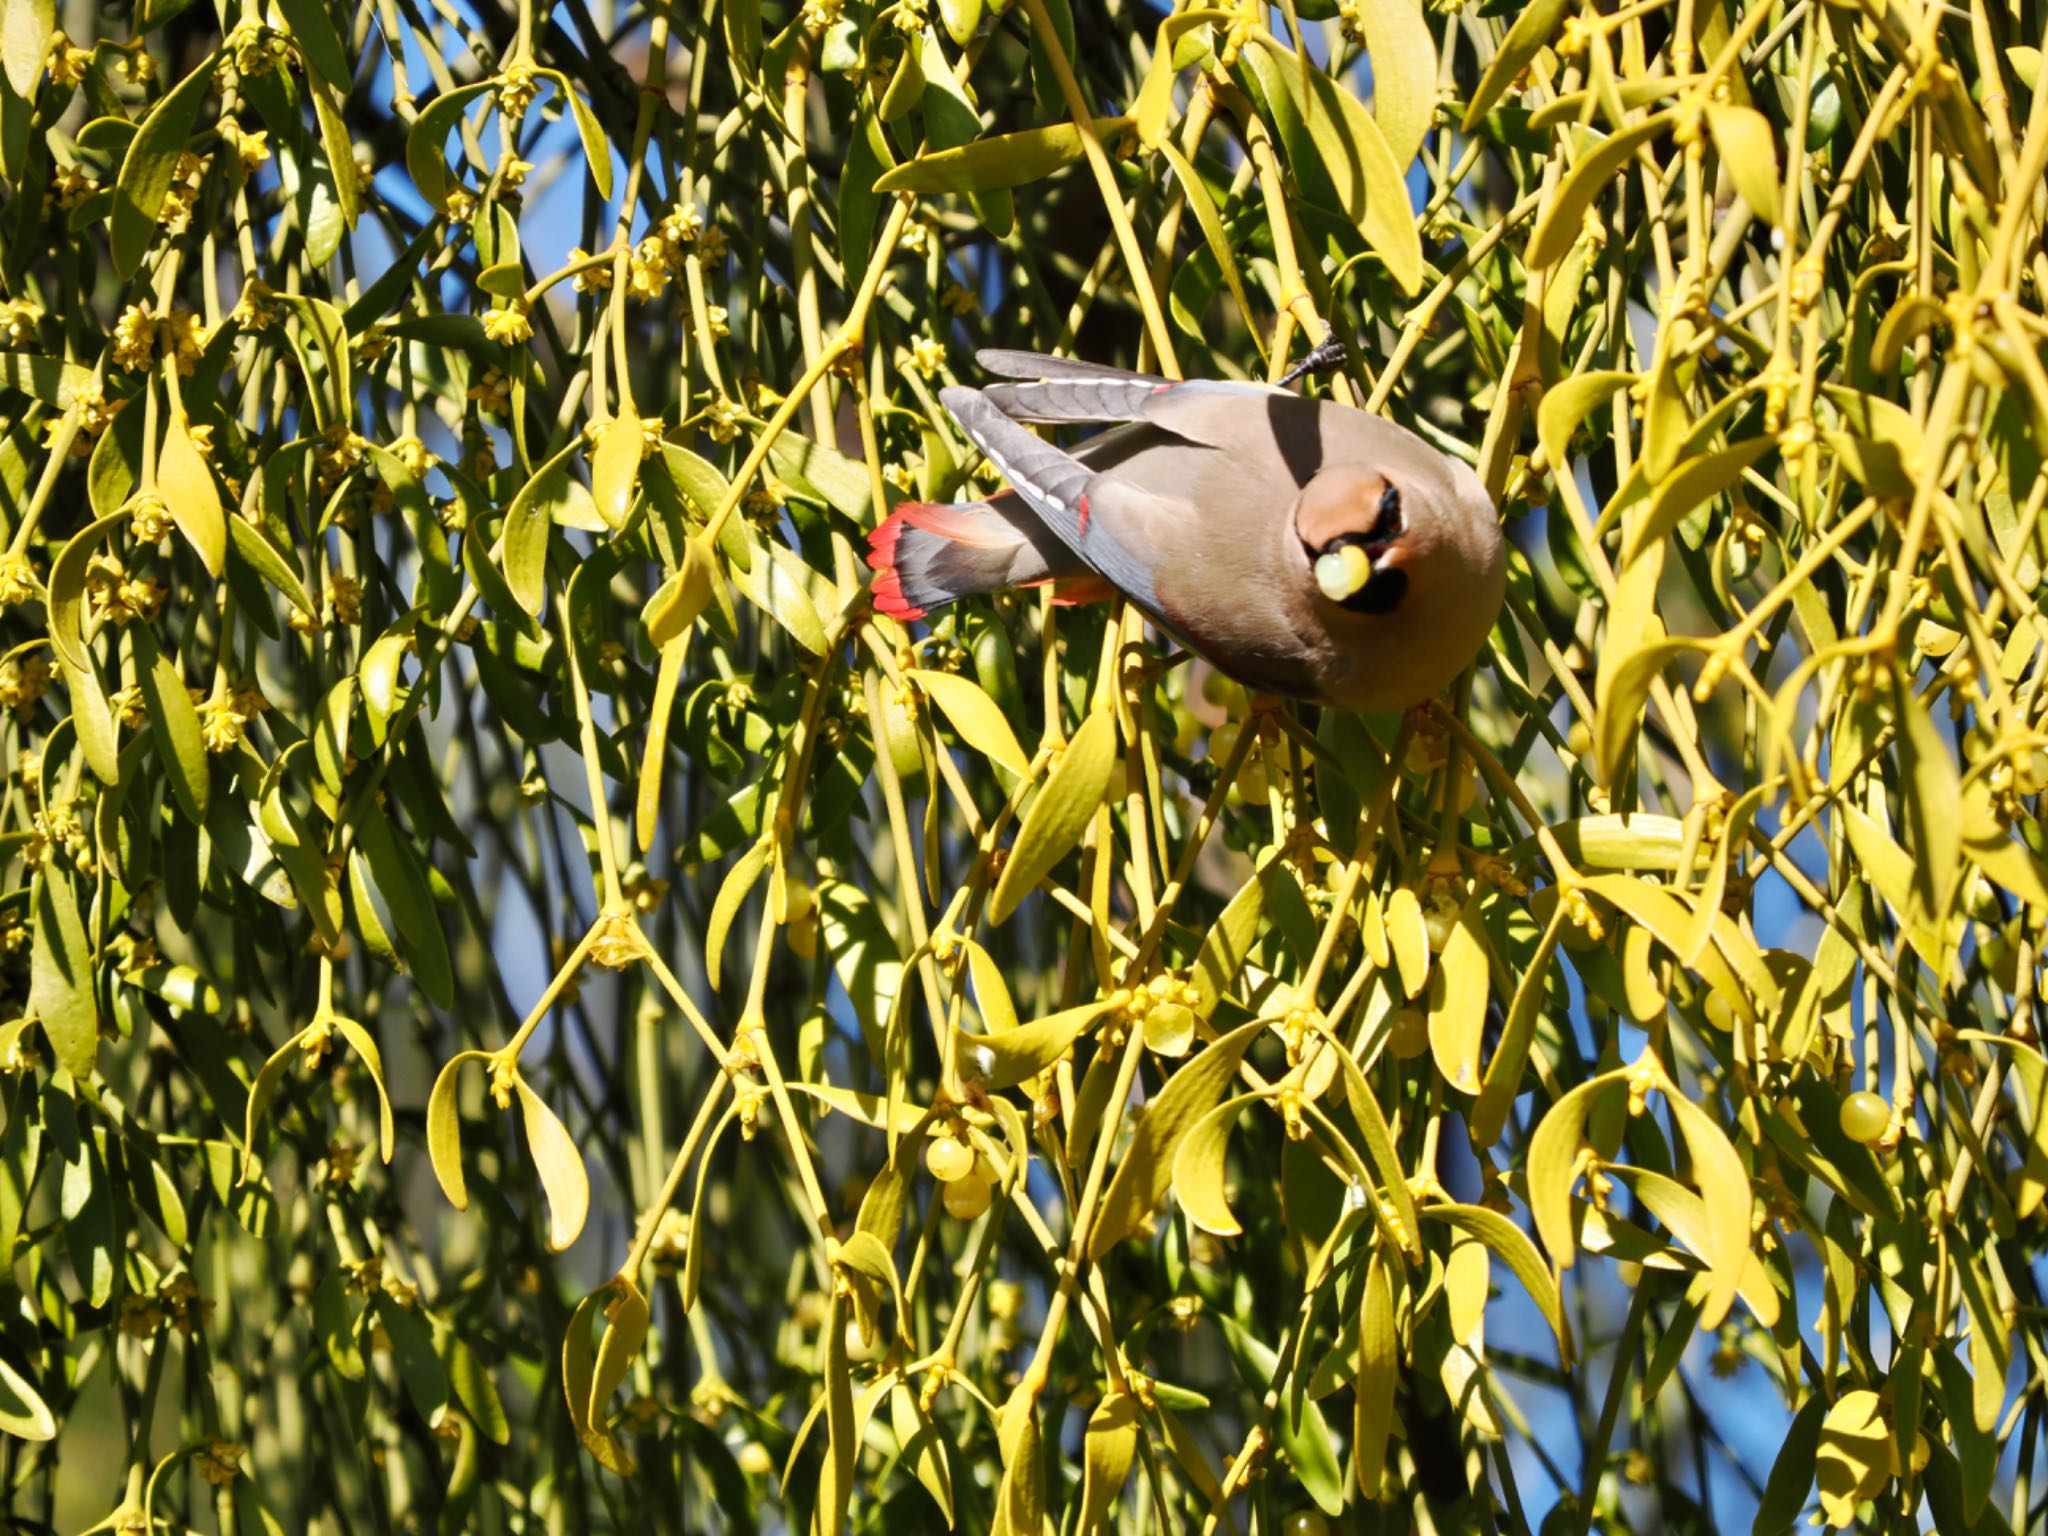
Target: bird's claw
x,y
1324,357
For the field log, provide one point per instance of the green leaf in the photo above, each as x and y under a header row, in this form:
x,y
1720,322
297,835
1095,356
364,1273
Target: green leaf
x,y
149,166
23,1413
49,379
426,146
174,721
341,160
1305,1440
60,992
412,1350
401,880
1060,814
597,150
313,29
253,545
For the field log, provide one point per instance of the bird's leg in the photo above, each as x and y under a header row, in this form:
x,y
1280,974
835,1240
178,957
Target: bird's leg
x,y
1325,356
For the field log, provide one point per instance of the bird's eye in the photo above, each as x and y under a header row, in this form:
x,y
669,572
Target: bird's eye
x,y
1387,525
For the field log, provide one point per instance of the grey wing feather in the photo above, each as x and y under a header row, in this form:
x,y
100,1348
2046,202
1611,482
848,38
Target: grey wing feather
x,y
1074,400
1010,364
1055,485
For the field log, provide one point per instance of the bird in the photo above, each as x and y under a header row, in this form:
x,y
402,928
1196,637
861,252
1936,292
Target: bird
x,y
1305,548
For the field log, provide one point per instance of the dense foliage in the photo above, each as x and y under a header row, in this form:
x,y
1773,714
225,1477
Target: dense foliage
x,y
528,1007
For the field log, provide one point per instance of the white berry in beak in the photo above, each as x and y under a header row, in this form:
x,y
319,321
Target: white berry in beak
x,y
1342,571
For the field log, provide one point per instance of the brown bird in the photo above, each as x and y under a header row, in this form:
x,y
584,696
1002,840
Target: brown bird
x,y
1305,548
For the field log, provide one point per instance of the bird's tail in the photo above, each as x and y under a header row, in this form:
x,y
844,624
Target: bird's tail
x,y
927,555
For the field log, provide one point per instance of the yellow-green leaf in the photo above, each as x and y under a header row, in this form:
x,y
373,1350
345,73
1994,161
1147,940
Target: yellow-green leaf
x,y
991,992
1513,1247
1378,1371
1532,30
1199,1167
185,481
1059,814
1568,404
732,892
1006,160
1457,1002
444,1129
1692,483
174,721
23,1413
975,717
1743,136
560,1164
1228,943
1143,1177
919,1442
1408,934
1404,74
627,1314
1855,1457
1553,1159
615,465
1355,156
994,1062
360,1041
25,28
1155,96
1724,1185
1110,1443
1596,173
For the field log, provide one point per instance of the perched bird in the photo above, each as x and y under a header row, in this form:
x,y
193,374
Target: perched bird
x,y
1305,548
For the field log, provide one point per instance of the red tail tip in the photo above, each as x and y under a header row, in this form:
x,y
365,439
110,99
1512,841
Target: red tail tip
x,y
887,589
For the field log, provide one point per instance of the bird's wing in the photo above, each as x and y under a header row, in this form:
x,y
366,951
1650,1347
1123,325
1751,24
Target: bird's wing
x,y
1009,364
1216,413
1089,512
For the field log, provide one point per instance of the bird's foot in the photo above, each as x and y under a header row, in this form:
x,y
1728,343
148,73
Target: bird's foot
x,y
1325,356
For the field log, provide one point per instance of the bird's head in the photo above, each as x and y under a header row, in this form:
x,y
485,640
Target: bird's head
x,y
1404,556
1355,524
